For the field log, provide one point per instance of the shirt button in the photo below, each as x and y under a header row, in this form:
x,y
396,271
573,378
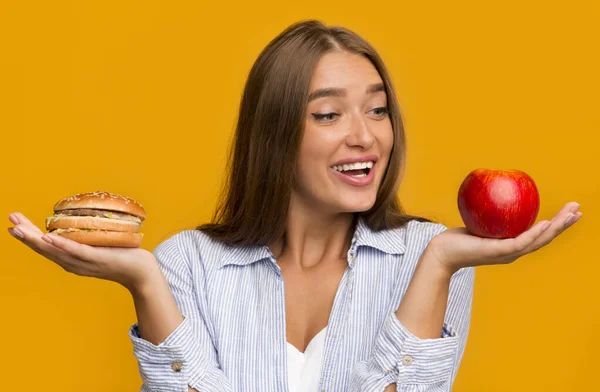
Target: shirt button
x,y
407,360
177,366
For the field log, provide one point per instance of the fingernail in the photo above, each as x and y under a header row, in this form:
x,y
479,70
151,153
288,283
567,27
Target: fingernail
x,y
574,219
18,233
13,219
47,238
570,219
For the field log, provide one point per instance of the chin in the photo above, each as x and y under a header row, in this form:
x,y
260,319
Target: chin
x,y
358,205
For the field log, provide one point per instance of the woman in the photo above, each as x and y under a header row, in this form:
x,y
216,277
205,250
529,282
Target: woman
x,y
310,277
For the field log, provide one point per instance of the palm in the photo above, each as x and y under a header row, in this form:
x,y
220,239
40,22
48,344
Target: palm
x,y
127,266
458,243
457,248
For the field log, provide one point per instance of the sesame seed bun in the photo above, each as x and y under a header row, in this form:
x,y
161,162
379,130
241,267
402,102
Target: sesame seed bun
x,y
102,200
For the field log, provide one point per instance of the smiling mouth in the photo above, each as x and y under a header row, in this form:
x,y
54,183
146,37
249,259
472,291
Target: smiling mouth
x,y
355,170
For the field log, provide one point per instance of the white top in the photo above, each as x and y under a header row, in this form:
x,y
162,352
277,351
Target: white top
x,y
304,369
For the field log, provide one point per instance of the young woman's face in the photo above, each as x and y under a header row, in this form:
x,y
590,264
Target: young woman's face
x,y
347,129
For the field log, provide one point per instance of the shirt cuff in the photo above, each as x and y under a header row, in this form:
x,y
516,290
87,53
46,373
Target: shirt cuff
x,y
166,367
412,360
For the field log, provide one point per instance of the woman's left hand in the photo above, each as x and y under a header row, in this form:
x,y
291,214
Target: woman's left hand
x,y
456,248
133,268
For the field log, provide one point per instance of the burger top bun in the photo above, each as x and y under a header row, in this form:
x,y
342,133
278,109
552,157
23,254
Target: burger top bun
x,y
101,201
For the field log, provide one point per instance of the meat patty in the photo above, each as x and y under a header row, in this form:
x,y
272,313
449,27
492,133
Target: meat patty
x,y
101,213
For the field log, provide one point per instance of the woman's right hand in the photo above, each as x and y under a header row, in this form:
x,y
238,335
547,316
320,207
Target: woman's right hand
x,y
456,248
133,268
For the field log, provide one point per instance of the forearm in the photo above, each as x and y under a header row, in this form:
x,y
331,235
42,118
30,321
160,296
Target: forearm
x,y
171,341
157,312
423,307
420,345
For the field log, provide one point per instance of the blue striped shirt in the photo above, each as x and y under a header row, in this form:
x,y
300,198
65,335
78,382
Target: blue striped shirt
x,y
233,336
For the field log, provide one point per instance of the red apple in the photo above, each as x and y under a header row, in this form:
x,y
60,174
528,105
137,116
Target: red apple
x,y
498,203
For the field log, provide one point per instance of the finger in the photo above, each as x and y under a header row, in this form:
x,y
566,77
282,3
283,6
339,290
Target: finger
x,y
15,233
561,220
573,220
18,218
82,252
564,219
38,245
559,228
510,248
570,207
13,219
522,242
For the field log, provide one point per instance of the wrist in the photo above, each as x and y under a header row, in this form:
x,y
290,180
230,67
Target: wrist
x,y
151,281
432,259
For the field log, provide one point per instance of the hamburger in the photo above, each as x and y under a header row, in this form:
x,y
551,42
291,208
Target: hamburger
x,y
98,219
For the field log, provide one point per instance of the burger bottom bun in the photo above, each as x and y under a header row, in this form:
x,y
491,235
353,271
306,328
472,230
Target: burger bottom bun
x,y
104,238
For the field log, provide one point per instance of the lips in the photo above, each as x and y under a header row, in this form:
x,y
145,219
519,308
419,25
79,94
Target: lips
x,y
356,181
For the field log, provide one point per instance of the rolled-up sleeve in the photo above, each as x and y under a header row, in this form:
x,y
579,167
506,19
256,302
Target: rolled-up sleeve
x,y
187,356
415,364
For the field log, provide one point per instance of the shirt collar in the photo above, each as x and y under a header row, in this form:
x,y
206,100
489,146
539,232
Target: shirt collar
x,y
390,241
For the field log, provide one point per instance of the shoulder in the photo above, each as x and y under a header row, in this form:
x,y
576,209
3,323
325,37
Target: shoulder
x,y
189,246
415,227
418,234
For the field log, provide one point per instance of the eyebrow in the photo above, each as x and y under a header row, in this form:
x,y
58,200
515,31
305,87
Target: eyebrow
x,y
341,92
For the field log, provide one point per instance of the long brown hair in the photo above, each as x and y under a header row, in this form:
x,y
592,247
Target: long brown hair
x,y
261,171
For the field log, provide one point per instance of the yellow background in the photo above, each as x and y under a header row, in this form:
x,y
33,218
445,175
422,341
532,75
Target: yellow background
x,y
140,98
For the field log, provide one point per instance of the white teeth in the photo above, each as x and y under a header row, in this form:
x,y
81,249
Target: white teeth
x,y
354,166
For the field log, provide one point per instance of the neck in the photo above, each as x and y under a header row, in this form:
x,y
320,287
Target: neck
x,y
312,238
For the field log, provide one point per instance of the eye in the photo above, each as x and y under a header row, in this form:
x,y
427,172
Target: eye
x,y
326,117
381,111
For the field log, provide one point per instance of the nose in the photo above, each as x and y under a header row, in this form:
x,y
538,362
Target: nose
x,y
360,134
